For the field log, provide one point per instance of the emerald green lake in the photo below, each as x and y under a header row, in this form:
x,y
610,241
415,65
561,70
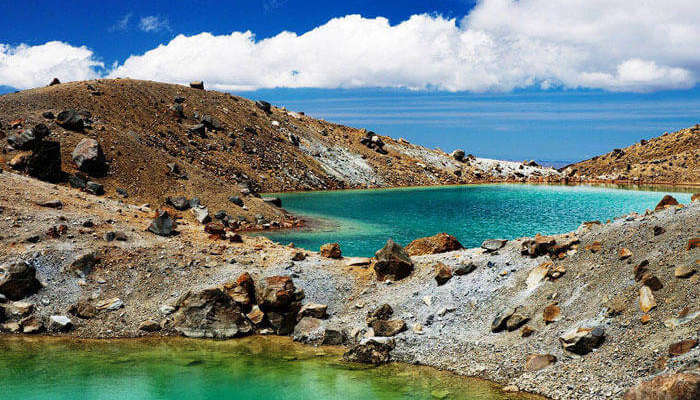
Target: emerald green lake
x,y
362,220
253,368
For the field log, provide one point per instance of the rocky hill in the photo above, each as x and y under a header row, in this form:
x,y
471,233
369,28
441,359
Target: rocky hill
x,y
672,158
157,140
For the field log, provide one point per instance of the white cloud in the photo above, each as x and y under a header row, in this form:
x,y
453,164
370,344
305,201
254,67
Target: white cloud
x,y
25,66
153,24
501,45
121,24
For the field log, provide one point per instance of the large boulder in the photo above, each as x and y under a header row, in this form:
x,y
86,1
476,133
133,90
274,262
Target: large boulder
x,y
491,245
89,158
582,339
383,312
210,313
458,155
392,262
60,323
45,162
71,120
667,201
440,243
18,280
27,139
680,386
197,85
316,331
331,250
390,327
242,290
369,352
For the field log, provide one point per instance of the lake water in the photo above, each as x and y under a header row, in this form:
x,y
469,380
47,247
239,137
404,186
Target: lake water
x,y
362,220
253,368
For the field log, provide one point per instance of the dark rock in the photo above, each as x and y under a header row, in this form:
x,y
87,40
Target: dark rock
x,y
236,200
77,181
211,123
149,326
57,204
71,120
84,264
370,352
18,280
112,236
209,313
177,110
198,130
83,310
582,340
163,224
215,228
179,100
45,162
682,347
299,256
678,386
263,105
659,230
464,269
197,85
499,322
538,246
440,243
89,158
392,262
179,203
27,139
94,188
220,215
458,155
54,81
122,192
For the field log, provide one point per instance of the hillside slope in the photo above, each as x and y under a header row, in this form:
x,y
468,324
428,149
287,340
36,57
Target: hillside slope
x,y
673,158
142,126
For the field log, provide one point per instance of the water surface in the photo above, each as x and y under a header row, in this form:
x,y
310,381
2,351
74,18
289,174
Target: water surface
x,y
362,220
253,368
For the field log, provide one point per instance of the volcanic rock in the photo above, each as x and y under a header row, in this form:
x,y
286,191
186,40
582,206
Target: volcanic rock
x,y
440,243
392,262
18,280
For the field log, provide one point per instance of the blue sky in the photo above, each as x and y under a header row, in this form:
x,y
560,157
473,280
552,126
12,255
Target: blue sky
x,y
499,78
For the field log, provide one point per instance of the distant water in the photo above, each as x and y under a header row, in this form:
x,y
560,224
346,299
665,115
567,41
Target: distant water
x,y
246,369
362,220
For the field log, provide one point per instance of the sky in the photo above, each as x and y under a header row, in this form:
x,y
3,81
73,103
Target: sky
x,y
535,79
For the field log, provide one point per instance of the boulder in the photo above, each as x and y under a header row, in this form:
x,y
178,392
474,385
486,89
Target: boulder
x,y
71,120
440,243
538,246
443,273
679,386
464,269
370,352
315,331
383,312
209,313
163,224
83,310
314,310
149,326
27,139
84,264
199,130
54,81
60,323
500,320
256,316
682,347
18,280
458,155
89,158
212,123
387,328
277,294
491,245
652,281
667,201
392,262
582,340
17,309
236,200
242,290
331,250
45,162
516,320
94,188
536,362
197,85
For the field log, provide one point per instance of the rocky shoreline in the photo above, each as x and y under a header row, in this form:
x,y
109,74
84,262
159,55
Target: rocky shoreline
x,y
508,312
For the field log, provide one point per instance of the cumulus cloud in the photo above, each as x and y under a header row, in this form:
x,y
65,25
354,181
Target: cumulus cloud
x,y
25,66
153,23
500,45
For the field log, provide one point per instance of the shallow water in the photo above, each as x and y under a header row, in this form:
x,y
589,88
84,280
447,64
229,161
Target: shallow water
x,y
253,368
362,220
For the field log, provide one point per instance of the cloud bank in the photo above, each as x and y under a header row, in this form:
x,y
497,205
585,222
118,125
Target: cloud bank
x,y
500,46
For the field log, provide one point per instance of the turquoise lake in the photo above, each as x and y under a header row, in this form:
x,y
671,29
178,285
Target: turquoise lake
x,y
254,368
362,220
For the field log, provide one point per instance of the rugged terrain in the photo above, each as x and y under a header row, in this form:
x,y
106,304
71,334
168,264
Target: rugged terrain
x,y
672,158
135,287
223,144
